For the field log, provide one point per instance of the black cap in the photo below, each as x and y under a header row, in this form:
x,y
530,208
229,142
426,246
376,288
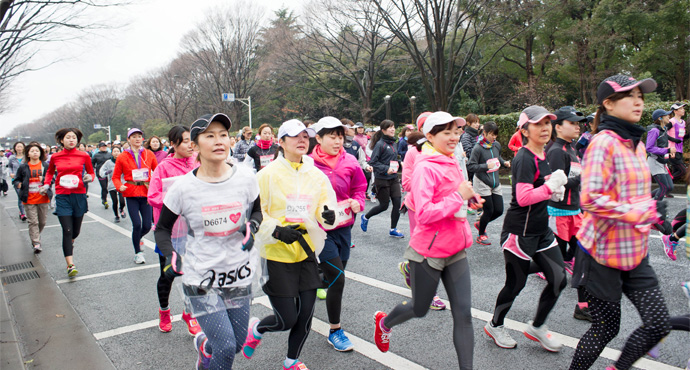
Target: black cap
x,y
569,113
102,144
201,123
621,83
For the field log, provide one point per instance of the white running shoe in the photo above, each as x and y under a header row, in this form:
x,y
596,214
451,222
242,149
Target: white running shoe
x,y
139,258
500,336
543,336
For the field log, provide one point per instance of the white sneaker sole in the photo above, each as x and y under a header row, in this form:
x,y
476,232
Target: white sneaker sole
x,y
532,337
496,342
348,349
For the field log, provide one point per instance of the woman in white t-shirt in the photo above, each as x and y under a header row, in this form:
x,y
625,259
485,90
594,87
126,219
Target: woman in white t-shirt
x,y
221,208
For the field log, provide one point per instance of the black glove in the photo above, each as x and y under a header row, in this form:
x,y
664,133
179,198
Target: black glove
x,y
173,266
287,234
328,215
249,244
661,209
403,209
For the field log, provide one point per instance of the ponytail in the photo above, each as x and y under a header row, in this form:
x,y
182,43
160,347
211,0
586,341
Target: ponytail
x,y
597,119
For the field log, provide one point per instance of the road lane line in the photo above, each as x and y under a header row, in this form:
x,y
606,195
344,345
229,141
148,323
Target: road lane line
x,y
119,229
108,273
58,225
130,328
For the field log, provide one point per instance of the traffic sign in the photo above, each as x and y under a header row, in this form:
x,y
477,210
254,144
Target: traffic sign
x,y
97,126
229,97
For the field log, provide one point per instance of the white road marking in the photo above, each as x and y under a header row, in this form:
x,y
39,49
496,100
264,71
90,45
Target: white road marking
x,y
58,225
108,273
131,328
119,229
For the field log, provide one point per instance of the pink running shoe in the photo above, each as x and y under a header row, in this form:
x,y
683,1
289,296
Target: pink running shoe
x,y
541,275
252,342
669,246
192,324
296,366
381,336
437,304
569,266
164,321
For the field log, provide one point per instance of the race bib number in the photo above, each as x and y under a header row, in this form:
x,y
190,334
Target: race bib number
x,y
395,166
140,174
575,169
33,187
681,132
69,181
462,213
297,207
265,160
343,213
222,220
496,163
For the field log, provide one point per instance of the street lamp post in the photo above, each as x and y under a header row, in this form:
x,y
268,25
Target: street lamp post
x,y
413,99
387,100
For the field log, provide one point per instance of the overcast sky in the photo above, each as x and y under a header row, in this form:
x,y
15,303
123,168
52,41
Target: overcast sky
x,y
150,40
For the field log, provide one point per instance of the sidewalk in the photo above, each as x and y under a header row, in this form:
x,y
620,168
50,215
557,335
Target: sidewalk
x,y
40,329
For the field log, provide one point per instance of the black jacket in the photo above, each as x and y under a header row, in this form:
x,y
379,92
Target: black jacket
x,y
478,166
98,159
562,156
256,153
23,176
381,157
469,140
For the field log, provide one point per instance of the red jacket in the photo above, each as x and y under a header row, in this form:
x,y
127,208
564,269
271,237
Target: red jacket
x,y
125,164
69,162
515,142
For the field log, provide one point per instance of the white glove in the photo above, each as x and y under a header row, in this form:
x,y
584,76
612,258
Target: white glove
x,y
43,189
87,178
557,180
558,194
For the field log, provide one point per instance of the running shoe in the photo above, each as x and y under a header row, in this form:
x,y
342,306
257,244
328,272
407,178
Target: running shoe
x,y
470,211
543,336
72,270
476,225
106,205
669,246
541,275
569,266
251,342
37,249
321,294
364,223
480,212
204,361
22,217
655,351
164,321
381,336
500,336
396,233
340,341
686,289
483,240
582,314
116,220
139,258
298,365
437,304
192,325
122,213
404,268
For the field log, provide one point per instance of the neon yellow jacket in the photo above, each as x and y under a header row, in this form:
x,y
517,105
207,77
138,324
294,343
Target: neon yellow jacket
x,y
279,180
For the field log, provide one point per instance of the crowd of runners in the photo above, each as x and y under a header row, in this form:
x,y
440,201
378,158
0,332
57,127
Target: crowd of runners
x,y
277,209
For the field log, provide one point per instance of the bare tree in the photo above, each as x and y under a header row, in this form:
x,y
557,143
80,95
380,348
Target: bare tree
x,y
441,36
25,25
225,47
346,40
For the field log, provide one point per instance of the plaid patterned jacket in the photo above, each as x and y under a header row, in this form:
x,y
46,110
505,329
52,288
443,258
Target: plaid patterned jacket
x,y
616,195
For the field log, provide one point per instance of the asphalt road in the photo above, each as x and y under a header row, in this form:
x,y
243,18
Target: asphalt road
x,y
117,302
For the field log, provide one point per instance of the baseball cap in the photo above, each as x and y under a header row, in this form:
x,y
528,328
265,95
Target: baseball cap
x,y
326,123
246,129
677,106
660,113
133,131
569,113
294,127
421,119
359,124
202,123
102,144
440,118
534,113
591,117
621,83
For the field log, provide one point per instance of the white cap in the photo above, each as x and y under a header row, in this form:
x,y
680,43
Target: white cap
x,y
440,118
293,128
327,122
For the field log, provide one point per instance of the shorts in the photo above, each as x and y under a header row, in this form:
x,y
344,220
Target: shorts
x,y
565,227
393,186
485,190
74,205
337,245
289,279
525,247
607,283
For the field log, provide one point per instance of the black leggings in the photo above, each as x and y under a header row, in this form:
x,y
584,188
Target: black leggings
x,y
334,277
550,262
383,194
567,253
164,285
71,226
493,209
665,183
118,202
104,189
292,314
606,322
424,283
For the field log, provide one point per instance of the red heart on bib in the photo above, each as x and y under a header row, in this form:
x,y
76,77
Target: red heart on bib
x,y
75,182
234,218
347,211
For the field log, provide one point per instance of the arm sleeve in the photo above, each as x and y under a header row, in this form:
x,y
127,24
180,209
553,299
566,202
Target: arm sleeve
x,y
423,186
559,160
524,170
358,186
19,175
598,181
362,158
163,232
103,171
253,154
473,165
89,167
50,173
256,216
515,142
117,172
326,198
498,150
155,192
650,144
374,161
674,140
408,167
